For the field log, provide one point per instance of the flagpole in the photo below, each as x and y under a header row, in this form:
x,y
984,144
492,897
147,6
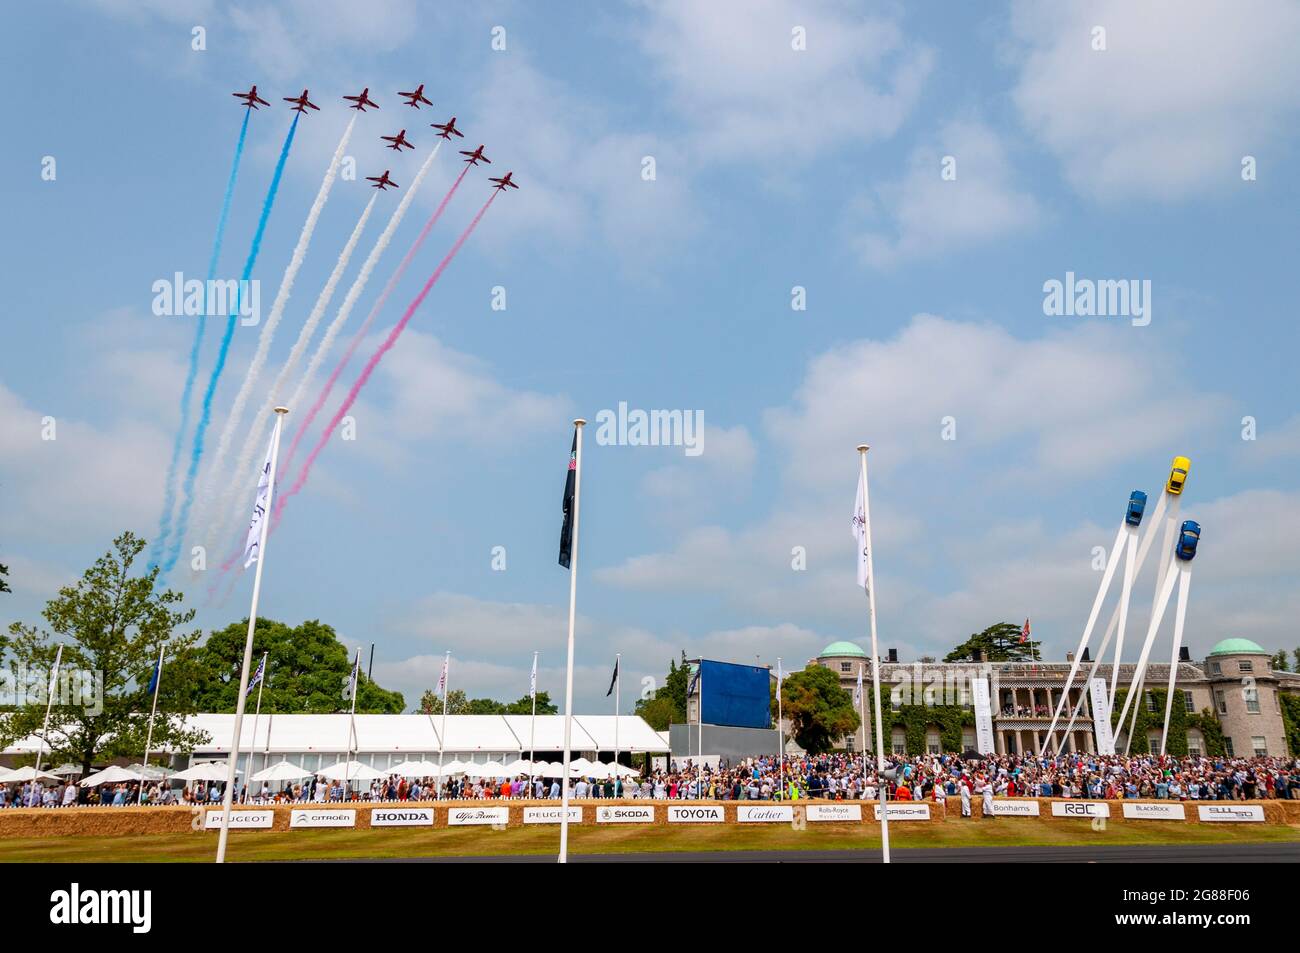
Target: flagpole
x,y
352,723
618,689
875,660
780,736
49,703
578,424
532,729
228,795
699,723
148,741
257,714
442,733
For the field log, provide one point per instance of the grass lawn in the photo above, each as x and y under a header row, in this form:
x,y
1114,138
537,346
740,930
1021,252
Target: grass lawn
x,y
543,839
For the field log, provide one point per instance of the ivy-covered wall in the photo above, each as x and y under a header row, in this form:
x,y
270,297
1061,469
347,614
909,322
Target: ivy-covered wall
x,y
916,719
1180,720
1291,721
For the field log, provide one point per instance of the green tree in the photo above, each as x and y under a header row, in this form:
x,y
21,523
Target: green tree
x,y
820,711
524,706
998,643
1295,653
1282,660
307,671
111,625
4,583
667,705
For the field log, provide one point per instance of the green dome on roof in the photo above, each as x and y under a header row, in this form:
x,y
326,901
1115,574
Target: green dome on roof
x,y
1236,646
841,648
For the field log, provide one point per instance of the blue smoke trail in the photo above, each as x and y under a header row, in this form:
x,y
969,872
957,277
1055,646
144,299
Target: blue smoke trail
x,y
205,415
169,497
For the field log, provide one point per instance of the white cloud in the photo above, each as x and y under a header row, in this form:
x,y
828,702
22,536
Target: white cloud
x,y
1063,403
736,79
1181,93
928,215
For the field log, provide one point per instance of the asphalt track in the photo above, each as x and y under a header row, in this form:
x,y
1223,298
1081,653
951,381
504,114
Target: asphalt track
x,y
1100,854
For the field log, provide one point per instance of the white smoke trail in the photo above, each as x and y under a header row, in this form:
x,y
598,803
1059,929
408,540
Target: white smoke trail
x,y
268,328
257,433
359,285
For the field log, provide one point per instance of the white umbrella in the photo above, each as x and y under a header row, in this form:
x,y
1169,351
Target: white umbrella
x,y
415,769
281,771
154,772
113,774
30,774
350,771
580,764
454,766
203,771
598,770
488,769
555,769
518,766
625,772
67,770
5,773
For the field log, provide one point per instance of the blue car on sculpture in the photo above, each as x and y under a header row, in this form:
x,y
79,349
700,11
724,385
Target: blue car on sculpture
x,y
1137,504
1188,537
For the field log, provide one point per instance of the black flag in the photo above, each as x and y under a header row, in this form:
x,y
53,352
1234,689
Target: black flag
x,y
566,531
613,680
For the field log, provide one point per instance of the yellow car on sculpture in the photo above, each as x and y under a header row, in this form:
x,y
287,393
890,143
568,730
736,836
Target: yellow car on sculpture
x,y
1178,475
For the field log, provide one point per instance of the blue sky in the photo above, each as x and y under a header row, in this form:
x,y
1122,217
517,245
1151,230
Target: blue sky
x,y
775,168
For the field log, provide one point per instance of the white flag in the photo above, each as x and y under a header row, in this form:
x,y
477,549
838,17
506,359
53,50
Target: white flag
x,y
442,679
253,541
532,680
351,691
857,692
859,530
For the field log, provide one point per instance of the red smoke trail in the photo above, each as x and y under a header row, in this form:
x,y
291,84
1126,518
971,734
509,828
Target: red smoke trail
x,y
365,325
383,349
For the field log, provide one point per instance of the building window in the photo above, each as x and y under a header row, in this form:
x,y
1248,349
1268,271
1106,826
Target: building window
x,y
1189,703
1153,741
1216,668
1221,702
1227,746
932,741
1252,701
1261,748
967,740
1151,701
846,666
1246,665
1194,745
898,741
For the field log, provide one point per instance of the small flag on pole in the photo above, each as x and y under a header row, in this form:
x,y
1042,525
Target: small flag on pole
x,y
613,680
153,679
253,541
257,676
352,681
859,530
695,683
566,531
1024,633
442,679
532,680
857,692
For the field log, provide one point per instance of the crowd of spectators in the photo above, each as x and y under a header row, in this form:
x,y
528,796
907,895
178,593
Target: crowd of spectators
x,y
817,777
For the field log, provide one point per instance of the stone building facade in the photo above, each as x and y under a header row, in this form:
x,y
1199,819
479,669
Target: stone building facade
x,y
1236,682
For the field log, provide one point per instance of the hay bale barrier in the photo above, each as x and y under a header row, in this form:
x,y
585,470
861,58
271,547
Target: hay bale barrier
x,y
132,821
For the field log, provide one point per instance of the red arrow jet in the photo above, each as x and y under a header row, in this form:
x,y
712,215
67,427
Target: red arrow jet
x,y
362,101
416,96
250,98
